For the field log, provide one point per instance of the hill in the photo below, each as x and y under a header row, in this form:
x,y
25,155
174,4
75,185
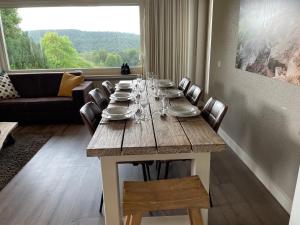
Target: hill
x,y
85,41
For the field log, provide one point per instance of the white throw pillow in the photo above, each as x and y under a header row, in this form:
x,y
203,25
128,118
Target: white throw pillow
x,y
7,89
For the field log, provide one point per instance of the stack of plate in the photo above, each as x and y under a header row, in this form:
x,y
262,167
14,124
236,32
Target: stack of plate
x,y
184,110
123,86
174,93
165,84
121,96
118,113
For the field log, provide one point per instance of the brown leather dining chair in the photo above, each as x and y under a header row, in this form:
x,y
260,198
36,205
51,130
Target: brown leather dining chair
x,y
194,94
91,116
108,88
99,98
184,85
213,112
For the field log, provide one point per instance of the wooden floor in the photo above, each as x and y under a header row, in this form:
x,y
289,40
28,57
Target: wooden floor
x,y
61,186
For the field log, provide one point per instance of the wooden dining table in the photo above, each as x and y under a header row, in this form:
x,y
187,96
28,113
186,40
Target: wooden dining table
x,y
160,138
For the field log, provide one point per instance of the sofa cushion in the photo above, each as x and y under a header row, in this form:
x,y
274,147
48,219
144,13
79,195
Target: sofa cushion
x,y
50,104
7,89
36,85
68,82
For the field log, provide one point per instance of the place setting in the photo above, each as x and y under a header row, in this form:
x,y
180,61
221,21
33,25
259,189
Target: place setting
x,y
124,86
119,113
165,83
177,110
122,96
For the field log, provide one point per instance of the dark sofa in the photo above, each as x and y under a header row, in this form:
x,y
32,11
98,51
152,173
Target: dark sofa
x,y
39,102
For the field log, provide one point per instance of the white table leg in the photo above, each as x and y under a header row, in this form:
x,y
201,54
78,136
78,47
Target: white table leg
x,y
201,167
110,180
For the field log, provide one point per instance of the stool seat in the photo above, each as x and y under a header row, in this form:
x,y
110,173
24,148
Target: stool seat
x,y
140,197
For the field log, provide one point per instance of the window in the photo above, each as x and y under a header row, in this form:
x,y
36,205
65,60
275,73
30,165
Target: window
x,y
71,37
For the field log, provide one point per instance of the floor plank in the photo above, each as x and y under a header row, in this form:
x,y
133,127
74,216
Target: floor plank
x,y
61,186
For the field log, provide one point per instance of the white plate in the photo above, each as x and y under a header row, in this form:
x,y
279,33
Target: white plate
x,y
174,93
121,99
123,86
121,96
118,113
125,82
165,83
184,111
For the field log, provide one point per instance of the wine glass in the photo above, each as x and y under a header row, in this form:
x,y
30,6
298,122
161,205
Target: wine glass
x,y
142,87
139,78
150,78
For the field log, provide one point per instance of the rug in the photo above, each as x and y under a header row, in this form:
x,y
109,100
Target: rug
x,y
14,157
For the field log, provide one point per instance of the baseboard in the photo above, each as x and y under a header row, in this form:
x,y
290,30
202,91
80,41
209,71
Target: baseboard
x,y
278,194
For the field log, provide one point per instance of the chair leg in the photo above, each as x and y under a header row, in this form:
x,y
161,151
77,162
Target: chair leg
x,y
195,216
148,172
167,170
9,140
210,200
128,219
101,203
136,219
144,172
158,170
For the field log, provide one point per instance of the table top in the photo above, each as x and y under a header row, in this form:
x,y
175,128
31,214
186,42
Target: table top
x,y
160,135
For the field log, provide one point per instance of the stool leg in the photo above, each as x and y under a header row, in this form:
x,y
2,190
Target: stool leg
x,y
127,219
195,216
136,219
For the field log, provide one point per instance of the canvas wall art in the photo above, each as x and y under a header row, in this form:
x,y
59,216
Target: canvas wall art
x,y
269,39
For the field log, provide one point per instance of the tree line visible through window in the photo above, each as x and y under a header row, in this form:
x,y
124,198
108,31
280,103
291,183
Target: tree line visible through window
x,y
58,44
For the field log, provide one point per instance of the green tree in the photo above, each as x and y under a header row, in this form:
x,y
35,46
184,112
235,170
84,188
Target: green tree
x,y
23,53
60,52
113,60
102,55
131,56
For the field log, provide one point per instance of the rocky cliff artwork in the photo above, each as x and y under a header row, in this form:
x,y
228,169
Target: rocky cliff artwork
x,y
269,39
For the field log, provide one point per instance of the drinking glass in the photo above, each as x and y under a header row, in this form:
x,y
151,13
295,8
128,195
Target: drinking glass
x,y
164,101
144,103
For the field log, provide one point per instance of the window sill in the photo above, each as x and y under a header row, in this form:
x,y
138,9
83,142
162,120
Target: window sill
x,y
110,77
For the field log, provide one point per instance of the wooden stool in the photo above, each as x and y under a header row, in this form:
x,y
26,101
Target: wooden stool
x,y
141,197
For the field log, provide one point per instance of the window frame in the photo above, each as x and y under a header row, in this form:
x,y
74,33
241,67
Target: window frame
x,y
4,59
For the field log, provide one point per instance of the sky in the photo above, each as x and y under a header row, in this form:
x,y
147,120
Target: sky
x,y
96,18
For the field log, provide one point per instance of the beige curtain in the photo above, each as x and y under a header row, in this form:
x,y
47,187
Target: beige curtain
x,y
175,39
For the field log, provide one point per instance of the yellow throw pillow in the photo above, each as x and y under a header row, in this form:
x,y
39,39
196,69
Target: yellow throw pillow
x,y
68,82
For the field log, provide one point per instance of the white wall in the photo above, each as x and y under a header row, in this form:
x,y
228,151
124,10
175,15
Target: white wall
x,y
263,120
295,215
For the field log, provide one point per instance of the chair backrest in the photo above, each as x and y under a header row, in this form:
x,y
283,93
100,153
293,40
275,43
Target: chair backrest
x,y
214,112
108,88
184,85
194,94
91,116
97,97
